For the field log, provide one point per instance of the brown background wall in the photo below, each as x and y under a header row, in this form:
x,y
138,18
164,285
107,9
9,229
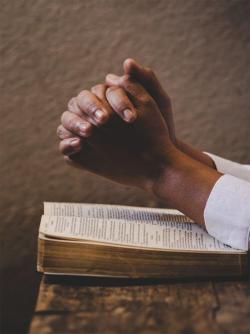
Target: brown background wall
x,y
50,50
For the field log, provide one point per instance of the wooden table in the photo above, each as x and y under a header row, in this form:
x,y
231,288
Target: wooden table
x,y
99,305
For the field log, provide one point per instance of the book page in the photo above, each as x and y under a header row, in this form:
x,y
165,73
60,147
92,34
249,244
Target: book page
x,y
104,211
166,235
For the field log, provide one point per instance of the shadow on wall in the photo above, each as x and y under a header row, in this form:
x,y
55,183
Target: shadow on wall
x,y
52,50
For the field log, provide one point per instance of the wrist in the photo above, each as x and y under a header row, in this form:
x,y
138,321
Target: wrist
x,y
195,154
166,169
165,185
185,185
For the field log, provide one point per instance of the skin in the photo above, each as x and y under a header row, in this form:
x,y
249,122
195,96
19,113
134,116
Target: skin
x,y
124,130
127,151
147,78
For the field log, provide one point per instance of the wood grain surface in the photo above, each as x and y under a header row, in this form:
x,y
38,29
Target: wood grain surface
x,y
91,305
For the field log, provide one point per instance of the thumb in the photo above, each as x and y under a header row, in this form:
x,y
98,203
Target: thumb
x,y
146,77
136,71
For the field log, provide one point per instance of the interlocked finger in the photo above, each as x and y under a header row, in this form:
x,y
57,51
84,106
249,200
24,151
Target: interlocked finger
x,y
121,104
91,106
76,124
63,133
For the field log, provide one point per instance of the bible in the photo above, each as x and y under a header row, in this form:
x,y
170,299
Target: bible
x,y
136,242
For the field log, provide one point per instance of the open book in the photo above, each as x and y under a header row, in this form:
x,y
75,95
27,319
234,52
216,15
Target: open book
x,y
124,241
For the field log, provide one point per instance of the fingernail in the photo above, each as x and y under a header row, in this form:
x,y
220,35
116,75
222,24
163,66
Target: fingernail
x,y
74,142
99,114
129,115
83,127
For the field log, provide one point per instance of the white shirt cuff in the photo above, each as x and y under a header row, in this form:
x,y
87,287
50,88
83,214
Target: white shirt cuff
x,y
230,167
227,212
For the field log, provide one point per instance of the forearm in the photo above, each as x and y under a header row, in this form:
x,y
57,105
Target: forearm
x,y
186,185
195,154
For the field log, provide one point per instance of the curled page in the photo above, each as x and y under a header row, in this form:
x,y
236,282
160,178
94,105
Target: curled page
x,y
111,212
155,234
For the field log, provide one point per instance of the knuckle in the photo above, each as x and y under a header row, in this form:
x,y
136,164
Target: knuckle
x,y
98,88
69,121
106,77
91,107
84,94
73,125
71,103
126,80
59,131
128,83
88,102
146,99
120,106
149,71
64,116
112,89
118,99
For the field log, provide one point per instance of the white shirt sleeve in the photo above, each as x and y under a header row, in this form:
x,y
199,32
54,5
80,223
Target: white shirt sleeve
x,y
230,167
227,212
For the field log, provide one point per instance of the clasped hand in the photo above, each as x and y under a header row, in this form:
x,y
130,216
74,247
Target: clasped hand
x,y
124,130
120,129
